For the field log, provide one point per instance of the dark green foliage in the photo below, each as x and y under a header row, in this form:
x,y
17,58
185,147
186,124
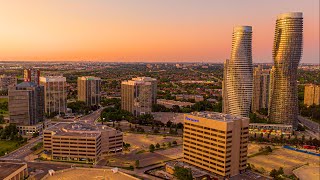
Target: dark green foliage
x,y
152,148
182,173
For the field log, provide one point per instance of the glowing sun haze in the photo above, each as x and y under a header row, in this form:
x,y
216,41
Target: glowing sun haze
x,y
145,30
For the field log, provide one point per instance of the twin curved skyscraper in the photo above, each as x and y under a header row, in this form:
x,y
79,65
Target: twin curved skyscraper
x,y
238,73
287,51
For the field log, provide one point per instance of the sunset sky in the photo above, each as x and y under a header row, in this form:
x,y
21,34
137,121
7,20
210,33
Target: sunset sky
x,y
145,30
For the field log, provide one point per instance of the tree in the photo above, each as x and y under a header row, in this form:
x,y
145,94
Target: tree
x,y
151,148
182,173
169,144
157,145
1,119
174,143
280,171
137,163
273,173
163,145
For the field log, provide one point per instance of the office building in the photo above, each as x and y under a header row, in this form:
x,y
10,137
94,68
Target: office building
x,y
237,84
311,94
216,142
6,82
31,75
81,142
260,95
154,85
137,96
89,88
26,104
55,91
13,171
287,51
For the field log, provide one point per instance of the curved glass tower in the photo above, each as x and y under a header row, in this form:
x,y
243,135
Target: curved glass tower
x,y
238,75
287,52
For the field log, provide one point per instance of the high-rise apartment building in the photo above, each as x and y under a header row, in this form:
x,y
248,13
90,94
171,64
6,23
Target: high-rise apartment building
x,y
261,82
89,88
154,85
216,142
26,104
238,73
55,91
287,51
31,75
6,82
271,87
136,96
224,88
311,94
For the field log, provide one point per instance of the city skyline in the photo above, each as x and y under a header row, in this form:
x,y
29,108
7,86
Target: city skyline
x,y
145,31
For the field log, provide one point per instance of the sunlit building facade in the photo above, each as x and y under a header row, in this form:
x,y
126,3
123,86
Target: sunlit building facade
x,y
287,53
89,88
311,94
55,90
237,84
216,142
137,96
31,75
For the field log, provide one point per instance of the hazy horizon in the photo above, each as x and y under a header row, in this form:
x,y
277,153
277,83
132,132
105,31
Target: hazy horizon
x,y
145,30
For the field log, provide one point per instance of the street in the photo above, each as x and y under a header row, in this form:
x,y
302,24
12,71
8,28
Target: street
x,y
312,126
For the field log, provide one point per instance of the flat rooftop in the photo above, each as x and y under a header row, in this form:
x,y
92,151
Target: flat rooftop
x,y
216,116
90,174
74,129
7,168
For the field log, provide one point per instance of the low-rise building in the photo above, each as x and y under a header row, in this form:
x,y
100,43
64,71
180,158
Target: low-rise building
x,y
81,142
13,171
6,82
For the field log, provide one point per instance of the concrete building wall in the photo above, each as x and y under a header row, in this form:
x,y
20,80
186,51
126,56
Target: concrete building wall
x,y
260,95
55,91
89,90
311,94
216,142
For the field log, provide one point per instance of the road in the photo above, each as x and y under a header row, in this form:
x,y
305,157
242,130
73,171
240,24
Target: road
x,y
23,151
312,126
91,118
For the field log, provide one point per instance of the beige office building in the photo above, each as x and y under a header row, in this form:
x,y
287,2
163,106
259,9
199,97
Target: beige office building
x,y
89,88
260,96
81,142
13,171
55,90
311,94
137,96
216,142
6,82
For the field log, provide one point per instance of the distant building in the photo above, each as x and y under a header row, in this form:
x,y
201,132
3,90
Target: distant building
x,y
154,85
13,171
271,87
55,90
89,89
238,73
287,51
216,142
81,142
138,95
26,104
6,82
261,81
311,94
31,75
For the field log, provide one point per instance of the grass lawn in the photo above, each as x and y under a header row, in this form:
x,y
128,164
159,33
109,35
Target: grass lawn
x,y
6,146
